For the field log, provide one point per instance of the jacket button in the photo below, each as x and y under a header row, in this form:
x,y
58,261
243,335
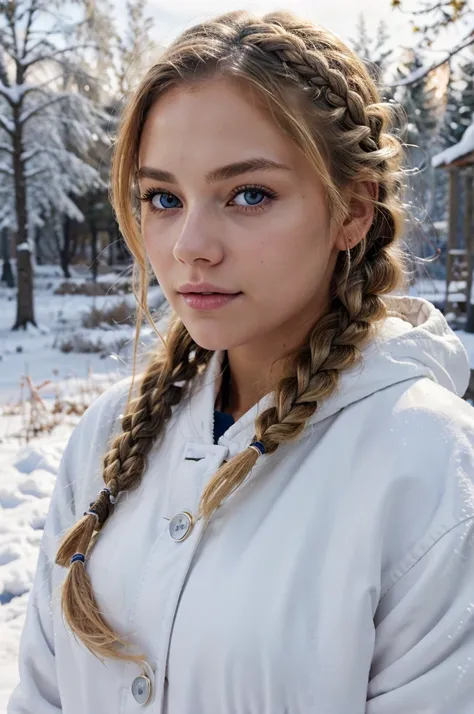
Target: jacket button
x,y
181,526
141,689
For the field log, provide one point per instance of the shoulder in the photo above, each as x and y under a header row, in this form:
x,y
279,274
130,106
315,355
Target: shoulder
x,y
101,418
81,466
421,452
428,437
104,411
427,414
421,412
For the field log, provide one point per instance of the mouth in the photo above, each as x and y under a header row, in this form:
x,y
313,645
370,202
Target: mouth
x,y
208,300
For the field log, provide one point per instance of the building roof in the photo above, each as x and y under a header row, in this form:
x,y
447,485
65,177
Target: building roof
x,y
461,154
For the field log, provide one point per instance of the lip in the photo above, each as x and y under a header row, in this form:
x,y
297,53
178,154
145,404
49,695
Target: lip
x,y
204,288
198,301
195,297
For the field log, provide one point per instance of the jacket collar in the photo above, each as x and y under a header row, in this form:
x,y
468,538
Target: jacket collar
x,y
413,342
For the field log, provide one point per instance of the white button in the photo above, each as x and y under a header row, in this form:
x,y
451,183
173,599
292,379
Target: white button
x,y
181,526
141,689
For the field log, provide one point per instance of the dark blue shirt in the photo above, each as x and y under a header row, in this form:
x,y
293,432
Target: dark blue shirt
x,y
222,422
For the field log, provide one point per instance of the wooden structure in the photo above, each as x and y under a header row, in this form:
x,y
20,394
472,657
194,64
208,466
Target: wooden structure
x,y
458,160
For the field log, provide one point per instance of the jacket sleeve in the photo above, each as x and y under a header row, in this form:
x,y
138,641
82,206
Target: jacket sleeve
x,y
38,691
424,639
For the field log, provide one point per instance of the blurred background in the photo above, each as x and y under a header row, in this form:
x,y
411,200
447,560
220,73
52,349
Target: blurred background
x,y
66,302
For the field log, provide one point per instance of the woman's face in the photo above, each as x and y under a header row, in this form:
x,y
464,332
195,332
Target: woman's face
x,y
235,210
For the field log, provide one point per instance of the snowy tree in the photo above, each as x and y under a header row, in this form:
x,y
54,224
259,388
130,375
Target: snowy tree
x,y
430,20
452,126
46,128
466,105
419,101
136,49
375,51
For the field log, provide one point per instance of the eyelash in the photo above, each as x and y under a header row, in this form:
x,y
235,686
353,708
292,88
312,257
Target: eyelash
x,y
269,195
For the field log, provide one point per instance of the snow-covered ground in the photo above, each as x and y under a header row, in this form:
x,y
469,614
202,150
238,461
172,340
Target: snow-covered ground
x,y
27,476
28,470
59,317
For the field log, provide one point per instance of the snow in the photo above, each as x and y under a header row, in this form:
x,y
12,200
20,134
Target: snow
x,y
23,246
27,476
414,76
443,57
14,93
468,341
462,148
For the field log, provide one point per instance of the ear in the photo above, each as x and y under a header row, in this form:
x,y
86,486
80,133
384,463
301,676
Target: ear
x,y
360,214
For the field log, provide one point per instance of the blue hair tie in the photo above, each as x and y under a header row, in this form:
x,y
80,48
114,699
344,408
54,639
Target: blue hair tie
x,y
78,557
258,447
110,496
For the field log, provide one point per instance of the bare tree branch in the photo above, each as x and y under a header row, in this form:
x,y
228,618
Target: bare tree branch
x,y
53,55
41,107
31,12
5,126
420,73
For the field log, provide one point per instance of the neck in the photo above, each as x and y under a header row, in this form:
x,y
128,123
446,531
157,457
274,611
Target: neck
x,y
251,379
256,369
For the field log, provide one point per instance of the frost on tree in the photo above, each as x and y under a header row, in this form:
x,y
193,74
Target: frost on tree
x,y
48,125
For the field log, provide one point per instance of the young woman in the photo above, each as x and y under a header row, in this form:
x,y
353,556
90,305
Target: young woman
x,y
279,518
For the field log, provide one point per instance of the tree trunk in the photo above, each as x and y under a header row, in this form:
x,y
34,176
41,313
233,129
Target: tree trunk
x,y
65,254
111,252
94,258
7,272
469,242
38,247
25,308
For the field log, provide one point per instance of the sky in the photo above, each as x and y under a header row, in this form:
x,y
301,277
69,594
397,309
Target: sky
x,y
339,16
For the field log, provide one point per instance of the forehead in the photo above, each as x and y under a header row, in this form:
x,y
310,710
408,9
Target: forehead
x,y
213,122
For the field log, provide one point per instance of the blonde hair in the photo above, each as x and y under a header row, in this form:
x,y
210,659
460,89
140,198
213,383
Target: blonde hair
x,y
321,95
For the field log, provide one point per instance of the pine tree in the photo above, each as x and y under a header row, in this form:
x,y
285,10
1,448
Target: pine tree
x,y
451,130
136,49
466,105
46,129
419,102
374,51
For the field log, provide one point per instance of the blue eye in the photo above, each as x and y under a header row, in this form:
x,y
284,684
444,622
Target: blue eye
x,y
251,195
165,200
244,197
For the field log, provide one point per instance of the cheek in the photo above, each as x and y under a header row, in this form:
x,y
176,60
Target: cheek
x,y
156,245
292,257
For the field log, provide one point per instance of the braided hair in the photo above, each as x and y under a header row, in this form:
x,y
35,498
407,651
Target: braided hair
x,y
320,93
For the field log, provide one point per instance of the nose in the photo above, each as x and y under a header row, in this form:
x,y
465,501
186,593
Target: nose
x,y
199,240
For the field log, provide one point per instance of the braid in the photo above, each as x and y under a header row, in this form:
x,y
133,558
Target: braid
x,y
314,67
124,465
334,345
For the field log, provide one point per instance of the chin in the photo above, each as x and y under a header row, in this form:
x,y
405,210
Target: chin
x,y
215,338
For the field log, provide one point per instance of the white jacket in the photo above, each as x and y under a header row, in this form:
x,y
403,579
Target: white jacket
x,y
338,579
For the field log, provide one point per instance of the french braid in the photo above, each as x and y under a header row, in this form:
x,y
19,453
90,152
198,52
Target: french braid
x,y
321,95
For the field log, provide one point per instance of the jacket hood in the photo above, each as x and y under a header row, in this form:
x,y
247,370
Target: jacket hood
x,y
414,341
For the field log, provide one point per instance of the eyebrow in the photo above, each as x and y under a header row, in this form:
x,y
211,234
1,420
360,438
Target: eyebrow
x,y
220,174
